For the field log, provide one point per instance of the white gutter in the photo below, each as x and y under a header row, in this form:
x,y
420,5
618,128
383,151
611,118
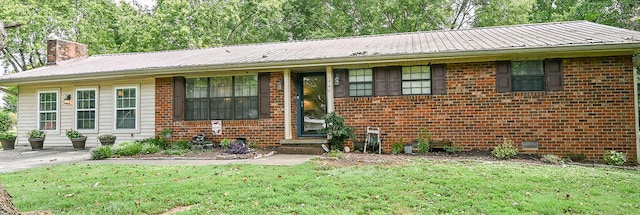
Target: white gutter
x,y
464,56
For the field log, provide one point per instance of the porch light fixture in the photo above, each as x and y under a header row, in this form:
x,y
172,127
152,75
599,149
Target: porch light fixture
x,y
279,85
67,100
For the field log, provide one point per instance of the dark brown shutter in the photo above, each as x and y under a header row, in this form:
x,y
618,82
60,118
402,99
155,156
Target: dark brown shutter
x,y
178,98
340,87
264,96
438,79
380,77
503,76
553,74
395,81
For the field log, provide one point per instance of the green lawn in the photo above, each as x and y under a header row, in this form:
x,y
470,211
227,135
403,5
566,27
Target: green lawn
x,y
420,187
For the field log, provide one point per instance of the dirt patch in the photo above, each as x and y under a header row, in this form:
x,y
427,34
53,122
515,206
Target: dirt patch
x,y
205,154
177,210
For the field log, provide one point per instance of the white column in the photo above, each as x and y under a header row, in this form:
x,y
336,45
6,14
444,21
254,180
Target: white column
x,y
636,65
287,104
330,107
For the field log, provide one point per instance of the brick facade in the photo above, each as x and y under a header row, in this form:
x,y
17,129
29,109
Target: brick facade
x,y
594,112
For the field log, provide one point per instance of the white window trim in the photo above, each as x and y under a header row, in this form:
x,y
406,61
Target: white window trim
x,y
115,109
57,91
96,109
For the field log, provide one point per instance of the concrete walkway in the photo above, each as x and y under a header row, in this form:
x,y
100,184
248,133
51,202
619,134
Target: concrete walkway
x,y
22,157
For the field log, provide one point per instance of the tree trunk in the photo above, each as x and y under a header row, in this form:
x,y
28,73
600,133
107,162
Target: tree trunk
x,y
6,205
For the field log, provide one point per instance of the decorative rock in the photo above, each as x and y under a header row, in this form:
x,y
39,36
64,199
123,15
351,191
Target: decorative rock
x,y
226,157
258,156
270,153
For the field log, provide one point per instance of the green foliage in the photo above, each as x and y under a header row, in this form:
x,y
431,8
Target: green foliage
x,y
35,133
5,121
335,154
181,144
11,102
254,144
505,151
73,133
396,147
452,149
127,149
106,137
336,130
615,158
552,159
165,132
225,143
175,151
8,135
577,157
148,148
157,140
424,140
101,152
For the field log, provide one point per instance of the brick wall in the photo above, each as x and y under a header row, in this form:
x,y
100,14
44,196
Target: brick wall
x,y
62,50
268,132
593,114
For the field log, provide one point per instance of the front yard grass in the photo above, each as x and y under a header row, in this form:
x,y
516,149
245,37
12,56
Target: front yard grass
x,y
420,187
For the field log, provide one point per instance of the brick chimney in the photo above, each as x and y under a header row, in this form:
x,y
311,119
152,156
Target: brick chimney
x,y
62,50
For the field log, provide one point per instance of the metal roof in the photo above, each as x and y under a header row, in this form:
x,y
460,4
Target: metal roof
x,y
466,42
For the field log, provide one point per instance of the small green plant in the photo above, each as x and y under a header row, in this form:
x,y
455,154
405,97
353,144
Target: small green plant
x,y
552,159
424,140
225,143
73,133
452,149
335,154
166,132
127,149
254,144
181,144
396,147
35,133
7,135
148,148
5,121
106,137
505,151
158,141
615,158
576,157
175,151
101,152
336,131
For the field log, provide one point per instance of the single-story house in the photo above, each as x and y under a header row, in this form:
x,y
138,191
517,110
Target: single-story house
x,y
564,87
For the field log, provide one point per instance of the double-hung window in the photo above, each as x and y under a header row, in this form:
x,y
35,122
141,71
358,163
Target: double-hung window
x,y
416,80
527,76
228,97
126,107
531,75
85,109
360,82
48,110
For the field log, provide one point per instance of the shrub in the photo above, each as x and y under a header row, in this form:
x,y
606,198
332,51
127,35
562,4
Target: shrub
x,y
5,121
181,144
254,144
127,149
452,149
336,130
101,152
576,157
424,140
7,135
158,141
615,158
553,159
225,143
35,133
335,153
238,148
148,148
505,151
396,148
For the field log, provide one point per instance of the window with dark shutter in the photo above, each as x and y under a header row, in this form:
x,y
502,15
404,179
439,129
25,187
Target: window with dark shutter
x,y
527,75
439,79
553,74
416,80
503,76
388,81
178,98
223,97
360,82
263,79
340,84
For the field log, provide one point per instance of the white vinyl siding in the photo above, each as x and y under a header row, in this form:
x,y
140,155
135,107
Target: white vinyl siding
x,y
48,114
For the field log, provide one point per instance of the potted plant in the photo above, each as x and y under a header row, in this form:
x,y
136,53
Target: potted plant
x,y
36,138
77,139
8,140
107,139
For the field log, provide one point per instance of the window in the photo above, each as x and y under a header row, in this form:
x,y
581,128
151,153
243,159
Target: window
x,y
527,76
230,97
360,82
86,109
126,107
416,80
48,111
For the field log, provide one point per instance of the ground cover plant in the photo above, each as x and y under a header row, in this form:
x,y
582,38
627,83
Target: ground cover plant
x,y
417,187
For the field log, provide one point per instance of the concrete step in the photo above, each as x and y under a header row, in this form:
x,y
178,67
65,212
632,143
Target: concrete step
x,y
308,146
303,150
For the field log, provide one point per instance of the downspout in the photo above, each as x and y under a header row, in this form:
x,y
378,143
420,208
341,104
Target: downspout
x,y
636,65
